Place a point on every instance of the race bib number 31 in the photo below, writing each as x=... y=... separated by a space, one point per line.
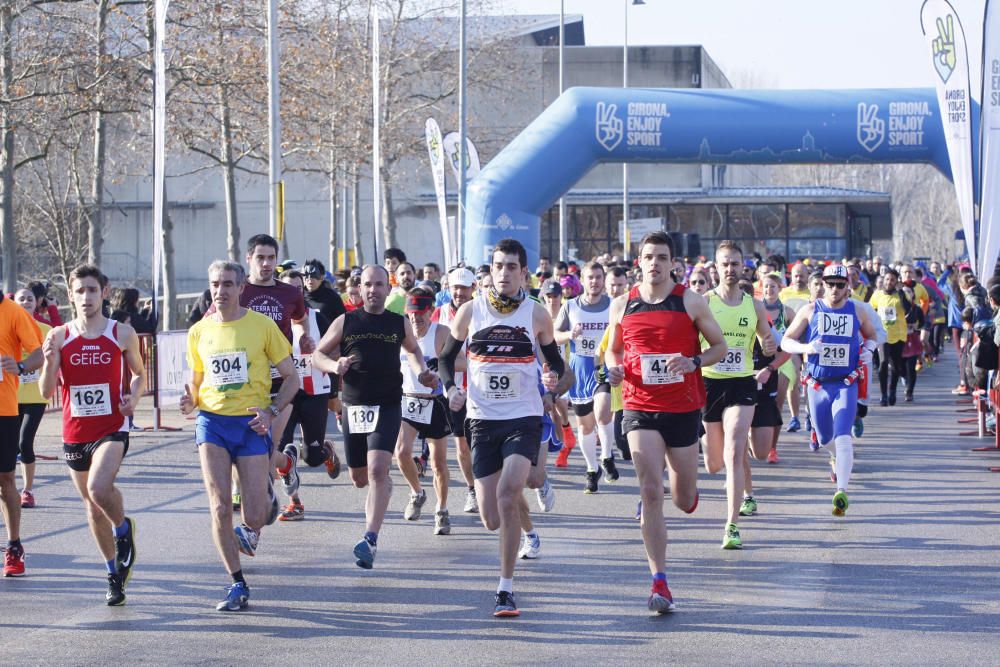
x=500 y=386
x=90 y=400
x=732 y=362
x=226 y=368
x=362 y=418
x=418 y=410
x=654 y=369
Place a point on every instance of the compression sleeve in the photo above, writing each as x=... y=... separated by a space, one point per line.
x=446 y=361
x=553 y=358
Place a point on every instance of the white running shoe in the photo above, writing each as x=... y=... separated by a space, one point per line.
x=531 y=547
x=471 y=503
x=546 y=497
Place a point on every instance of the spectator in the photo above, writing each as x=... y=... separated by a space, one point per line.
x=318 y=294
x=45 y=308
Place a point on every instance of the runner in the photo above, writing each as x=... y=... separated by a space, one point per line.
x=309 y=407
x=86 y=356
x=796 y=295
x=425 y=414
x=505 y=330
x=363 y=348
x=405 y=276
x=19 y=333
x=551 y=293
x=30 y=406
x=787 y=376
x=729 y=384
x=460 y=284
x=655 y=354
x=581 y=323
x=230 y=352
x=837 y=333
x=892 y=307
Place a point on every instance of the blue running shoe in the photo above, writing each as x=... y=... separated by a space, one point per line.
x=794 y=425
x=237 y=598
x=813 y=442
x=859 y=427
x=248 y=538
x=364 y=551
x=809 y=423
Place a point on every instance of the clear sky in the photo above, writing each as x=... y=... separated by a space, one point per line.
x=782 y=43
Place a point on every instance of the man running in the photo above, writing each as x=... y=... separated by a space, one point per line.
x=730 y=385
x=837 y=332
x=892 y=307
x=30 y=405
x=230 y=352
x=505 y=330
x=655 y=353
x=86 y=355
x=18 y=334
x=795 y=296
x=581 y=323
x=363 y=348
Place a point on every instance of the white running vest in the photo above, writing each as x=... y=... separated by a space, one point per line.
x=411 y=383
x=503 y=375
x=313 y=381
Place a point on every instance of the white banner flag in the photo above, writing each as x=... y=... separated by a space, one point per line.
x=172 y=370
x=947 y=53
x=990 y=137
x=435 y=149
x=472 y=166
x=159 y=140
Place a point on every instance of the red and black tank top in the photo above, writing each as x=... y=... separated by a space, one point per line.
x=91 y=370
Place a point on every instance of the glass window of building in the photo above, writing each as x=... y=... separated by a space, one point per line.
x=706 y=220
x=817 y=220
x=757 y=221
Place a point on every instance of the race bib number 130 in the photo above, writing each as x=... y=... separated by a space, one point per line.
x=362 y=418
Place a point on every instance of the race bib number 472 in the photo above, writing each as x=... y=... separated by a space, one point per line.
x=654 y=369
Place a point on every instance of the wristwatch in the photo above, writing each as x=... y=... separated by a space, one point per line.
x=696 y=360
x=20 y=368
x=273 y=409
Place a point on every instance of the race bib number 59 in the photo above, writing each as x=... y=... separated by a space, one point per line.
x=500 y=386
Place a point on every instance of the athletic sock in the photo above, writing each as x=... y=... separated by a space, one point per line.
x=238 y=577
x=588 y=445
x=506 y=585
x=606 y=435
x=845 y=460
x=372 y=538
x=659 y=576
x=112 y=568
x=14 y=544
x=122 y=530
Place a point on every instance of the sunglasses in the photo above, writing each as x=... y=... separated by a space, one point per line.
x=699 y=282
x=838 y=284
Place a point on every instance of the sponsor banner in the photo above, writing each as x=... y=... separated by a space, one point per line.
x=435 y=149
x=947 y=54
x=472 y=166
x=990 y=135
x=172 y=369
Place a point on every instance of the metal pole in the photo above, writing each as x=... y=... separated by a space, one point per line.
x=344 y=259
x=625 y=165
x=563 y=238
x=376 y=127
x=274 y=117
x=462 y=150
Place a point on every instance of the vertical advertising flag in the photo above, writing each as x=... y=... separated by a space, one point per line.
x=946 y=51
x=989 y=208
x=376 y=127
x=159 y=140
x=472 y=166
x=435 y=149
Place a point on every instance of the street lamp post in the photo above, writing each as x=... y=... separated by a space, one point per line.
x=563 y=240
x=625 y=207
x=462 y=149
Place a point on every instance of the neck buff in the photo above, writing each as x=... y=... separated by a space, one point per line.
x=504 y=304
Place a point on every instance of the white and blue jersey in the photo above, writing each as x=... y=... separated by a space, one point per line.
x=593 y=320
x=835 y=334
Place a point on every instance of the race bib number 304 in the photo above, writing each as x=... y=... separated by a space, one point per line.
x=90 y=400
x=654 y=369
x=362 y=418
x=226 y=368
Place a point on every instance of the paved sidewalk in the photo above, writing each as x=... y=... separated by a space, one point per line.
x=910 y=576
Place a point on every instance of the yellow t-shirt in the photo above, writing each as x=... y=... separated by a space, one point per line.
x=793 y=298
x=235 y=358
x=616 y=392
x=28 y=391
x=890 y=310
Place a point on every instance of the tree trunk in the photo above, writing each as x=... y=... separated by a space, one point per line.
x=332 y=254
x=229 y=176
x=359 y=256
x=388 y=221
x=95 y=231
x=168 y=315
x=8 y=237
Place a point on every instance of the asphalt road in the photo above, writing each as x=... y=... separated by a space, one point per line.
x=910 y=576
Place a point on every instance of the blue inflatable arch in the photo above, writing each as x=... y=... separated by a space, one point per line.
x=587 y=126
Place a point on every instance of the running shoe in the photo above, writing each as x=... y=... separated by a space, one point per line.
x=610 y=470
x=442 y=523
x=27 y=500
x=293 y=512
x=731 y=538
x=505 y=606
x=772 y=456
x=248 y=538
x=591 y=486
x=290 y=476
x=569 y=437
x=748 y=507
x=833 y=470
x=883 y=402
x=809 y=422
x=813 y=441
x=332 y=463
x=471 y=504
x=13 y=562
x=115 y=597
x=562 y=458
x=417 y=500
x=794 y=425
x=908 y=398
x=531 y=547
x=364 y=551
x=960 y=390
x=546 y=497
x=840 y=503
x=858 y=429
x=237 y=598
x=660 y=599
x=125 y=552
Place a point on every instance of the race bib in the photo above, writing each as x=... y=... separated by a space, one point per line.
x=90 y=400
x=362 y=418
x=586 y=345
x=500 y=386
x=28 y=378
x=654 y=369
x=834 y=355
x=275 y=375
x=226 y=368
x=732 y=362
x=888 y=314
x=303 y=365
x=418 y=410
x=836 y=324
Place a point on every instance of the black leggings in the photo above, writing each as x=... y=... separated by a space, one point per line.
x=309 y=412
x=937 y=338
x=910 y=373
x=30 y=416
x=891 y=368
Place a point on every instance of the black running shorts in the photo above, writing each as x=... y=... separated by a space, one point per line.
x=678 y=429
x=492 y=441
x=726 y=392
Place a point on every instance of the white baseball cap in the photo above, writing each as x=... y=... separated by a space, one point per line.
x=462 y=277
x=835 y=271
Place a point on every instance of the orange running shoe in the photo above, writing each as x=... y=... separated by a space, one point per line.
x=562 y=459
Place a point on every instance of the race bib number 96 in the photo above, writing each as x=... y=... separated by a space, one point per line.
x=586 y=346
x=362 y=418
x=654 y=369
x=90 y=400
x=226 y=368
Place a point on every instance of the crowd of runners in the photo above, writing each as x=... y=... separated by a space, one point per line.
x=666 y=363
